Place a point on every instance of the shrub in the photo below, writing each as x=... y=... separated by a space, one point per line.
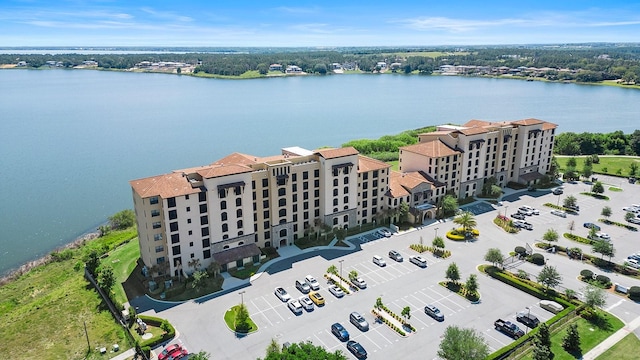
x=605 y=281
x=452 y=236
x=634 y=293
x=537 y=259
x=520 y=250
x=586 y=273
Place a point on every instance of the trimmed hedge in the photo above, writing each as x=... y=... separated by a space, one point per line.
x=537 y=259
x=155 y=321
x=634 y=293
x=520 y=250
x=586 y=273
x=604 y=280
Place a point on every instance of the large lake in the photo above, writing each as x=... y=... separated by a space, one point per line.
x=70 y=140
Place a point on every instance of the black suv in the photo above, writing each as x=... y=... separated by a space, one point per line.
x=528 y=319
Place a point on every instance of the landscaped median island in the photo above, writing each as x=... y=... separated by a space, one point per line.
x=437 y=249
x=238 y=320
x=468 y=290
x=593 y=325
x=393 y=321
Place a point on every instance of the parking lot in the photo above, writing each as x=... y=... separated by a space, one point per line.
x=401 y=284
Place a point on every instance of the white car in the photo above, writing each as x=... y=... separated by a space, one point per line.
x=559 y=213
x=418 y=260
x=635 y=221
x=552 y=306
x=282 y=294
x=313 y=283
x=378 y=260
x=295 y=306
x=306 y=303
x=529 y=208
x=336 y=291
x=631 y=209
x=603 y=236
x=359 y=282
x=525 y=211
x=384 y=232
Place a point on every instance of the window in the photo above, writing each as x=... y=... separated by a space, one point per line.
x=173 y=226
x=346 y=218
x=294 y=188
x=305 y=175
x=206 y=243
x=265 y=193
x=265 y=204
x=225 y=227
x=266 y=225
x=282 y=212
x=335 y=202
x=335 y=192
x=239 y=224
x=153 y=200
x=267 y=235
x=203 y=208
x=222 y=193
x=316 y=202
x=335 y=182
x=188 y=208
x=316 y=212
x=282 y=202
x=202 y=196
x=346 y=190
x=223 y=204
x=223 y=216
x=155 y=213
x=239 y=202
x=176 y=250
x=305 y=195
x=159 y=248
x=265 y=214
x=237 y=190
x=316 y=183
x=316 y=173
x=316 y=193
x=282 y=192
x=305 y=205
x=345 y=200
x=375 y=174
x=335 y=221
x=265 y=182
x=204 y=231
x=157 y=237
x=305 y=185
x=239 y=213
x=173 y=214
x=283 y=232
x=204 y=220
x=206 y=254
x=294 y=177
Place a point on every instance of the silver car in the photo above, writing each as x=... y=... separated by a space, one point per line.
x=559 y=213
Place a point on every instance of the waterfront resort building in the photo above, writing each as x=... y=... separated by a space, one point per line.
x=226 y=211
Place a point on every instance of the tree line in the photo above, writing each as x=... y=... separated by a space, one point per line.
x=595 y=62
x=615 y=143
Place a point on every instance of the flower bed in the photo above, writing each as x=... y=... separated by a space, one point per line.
x=435 y=251
x=459 y=234
x=335 y=279
x=460 y=290
x=506 y=224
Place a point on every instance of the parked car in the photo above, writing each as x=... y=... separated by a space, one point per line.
x=282 y=294
x=360 y=283
x=635 y=256
x=529 y=208
x=359 y=321
x=384 y=232
x=340 y=332
x=526 y=212
x=631 y=209
x=558 y=191
x=635 y=221
x=295 y=306
x=356 y=349
x=434 y=312
x=552 y=306
x=509 y=328
x=559 y=213
x=312 y=282
x=574 y=208
x=336 y=291
x=303 y=287
x=518 y=216
x=395 y=256
x=173 y=351
x=633 y=263
x=603 y=236
x=306 y=303
x=528 y=319
x=589 y=225
x=523 y=224
x=378 y=260
x=316 y=298
x=418 y=260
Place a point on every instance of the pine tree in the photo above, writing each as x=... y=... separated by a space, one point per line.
x=571 y=341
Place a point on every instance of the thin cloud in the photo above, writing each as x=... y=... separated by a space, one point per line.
x=297 y=10
x=166 y=15
x=458 y=25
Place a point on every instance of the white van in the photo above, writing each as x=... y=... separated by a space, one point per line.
x=633 y=263
x=378 y=260
x=418 y=260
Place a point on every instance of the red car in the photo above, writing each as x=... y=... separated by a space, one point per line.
x=172 y=352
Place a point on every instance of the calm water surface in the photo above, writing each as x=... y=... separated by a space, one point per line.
x=70 y=140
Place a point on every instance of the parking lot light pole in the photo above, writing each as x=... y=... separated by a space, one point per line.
x=436 y=229
x=242 y=297
x=528 y=313
x=340 y=261
x=505 y=210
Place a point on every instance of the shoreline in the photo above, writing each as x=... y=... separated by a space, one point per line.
x=12 y=274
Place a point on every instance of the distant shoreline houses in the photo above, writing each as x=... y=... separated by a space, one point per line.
x=225 y=212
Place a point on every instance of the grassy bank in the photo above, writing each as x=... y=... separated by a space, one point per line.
x=612 y=165
x=626 y=349
x=44 y=311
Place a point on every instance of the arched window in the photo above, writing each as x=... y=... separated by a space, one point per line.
x=239 y=213
x=239 y=202
x=335 y=182
x=241 y=243
x=346 y=189
x=282 y=202
x=225 y=227
x=239 y=224
x=223 y=216
x=225 y=237
x=346 y=180
x=346 y=218
x=225 y=247
x=223 y=204
x=282 y=212
x=282 y=191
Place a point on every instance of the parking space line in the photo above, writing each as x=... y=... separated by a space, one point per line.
x=274 y=309
x=417 y=309
x=322 y=342
x=374 y=343
x=260 y=313
x=502 y=344
x=447 y=297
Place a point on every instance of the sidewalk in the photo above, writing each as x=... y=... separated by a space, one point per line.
x=612 y=340
x=125 y=355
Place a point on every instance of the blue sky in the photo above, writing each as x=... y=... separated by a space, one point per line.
x=314 y=23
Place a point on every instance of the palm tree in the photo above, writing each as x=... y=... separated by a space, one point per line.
x=332 y=270
x=466 y=220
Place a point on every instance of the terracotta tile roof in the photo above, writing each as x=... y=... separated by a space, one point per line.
x=165 y=186
x=529 y=121
x=236 y=159
x=434 y=149
x=396 y=189
x=368 y=164
x=440 y=132
x=336 y=153
x=400 y=184
x=485 y=124
x=237 y=253
x=549 y=126
x=271 y=158
x=474 y=130
x=223 y=170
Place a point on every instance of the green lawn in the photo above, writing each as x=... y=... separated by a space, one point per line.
x=626 y=349
x=590 y=336
x=230 y=319
x=608 y=164
x=44 y=312
x=123 y=260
